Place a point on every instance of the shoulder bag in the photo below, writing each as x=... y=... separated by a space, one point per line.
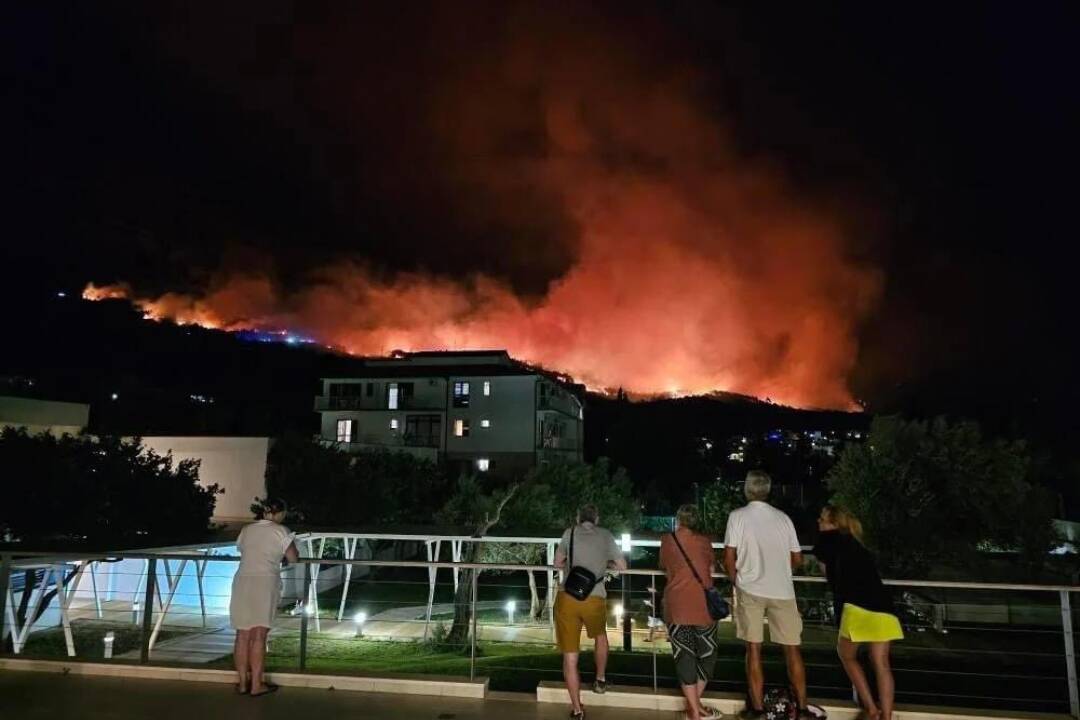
x=579 y=581
x=714 y=601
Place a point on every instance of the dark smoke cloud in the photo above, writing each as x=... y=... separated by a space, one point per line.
x=584 y=162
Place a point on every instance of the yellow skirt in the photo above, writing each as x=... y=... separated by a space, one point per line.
x=859 y=625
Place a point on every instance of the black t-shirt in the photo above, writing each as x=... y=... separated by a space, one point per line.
x=852 y=573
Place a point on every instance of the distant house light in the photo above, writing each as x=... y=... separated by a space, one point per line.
x=393 y=423
x=485 y=423
x=392 y=396
x=461 y=428
x=344 y=431
x=483 y=464
x=114 y=396
x=487 y=387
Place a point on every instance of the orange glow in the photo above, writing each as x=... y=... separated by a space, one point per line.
x=693 y=268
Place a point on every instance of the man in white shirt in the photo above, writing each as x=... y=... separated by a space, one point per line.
x=760 y=551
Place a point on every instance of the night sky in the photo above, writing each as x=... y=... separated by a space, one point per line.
x=885 y=195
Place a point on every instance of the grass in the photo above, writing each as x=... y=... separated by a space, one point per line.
x=88 y=637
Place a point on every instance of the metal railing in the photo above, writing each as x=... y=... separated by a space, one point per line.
x=968 y=644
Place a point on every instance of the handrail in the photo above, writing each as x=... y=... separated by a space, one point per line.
x=438 y=564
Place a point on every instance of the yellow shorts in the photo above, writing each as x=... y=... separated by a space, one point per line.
x=572 y=614
x=859 y=625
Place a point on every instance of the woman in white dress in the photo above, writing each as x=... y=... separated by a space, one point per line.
x=256 y=592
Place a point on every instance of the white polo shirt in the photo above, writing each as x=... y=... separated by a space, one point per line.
x=764 y=538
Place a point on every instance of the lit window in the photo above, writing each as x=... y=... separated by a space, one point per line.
x=483 y=464
x=392 y=396
x=487 y=388
x=485 y=423
x=393 y=424
x=461 y=394
x=461 y=428
x=344 y=431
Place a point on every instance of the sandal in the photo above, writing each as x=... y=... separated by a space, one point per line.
x=270 y=688
x=239 y=690
x=577 y=714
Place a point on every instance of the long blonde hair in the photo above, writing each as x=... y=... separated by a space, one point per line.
x=844 y=521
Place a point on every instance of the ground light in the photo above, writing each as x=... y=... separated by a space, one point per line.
x=618 y=615
x=510 y=612
x=360 y=618
x=109 y=638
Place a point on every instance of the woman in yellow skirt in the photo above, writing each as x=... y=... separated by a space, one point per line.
x=864 y=608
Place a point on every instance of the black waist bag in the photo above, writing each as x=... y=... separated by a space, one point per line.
x=579 y=582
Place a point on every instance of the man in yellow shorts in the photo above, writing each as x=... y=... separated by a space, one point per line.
x=595 y=549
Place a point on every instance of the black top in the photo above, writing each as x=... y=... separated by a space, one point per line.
x=852 y=573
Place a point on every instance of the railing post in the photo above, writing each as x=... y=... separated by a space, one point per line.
x=627 y=635
x=472 y=619
x=5 y=575
x=304 y=615
x=1070 y=653
x=148 y=610
x=652 y=619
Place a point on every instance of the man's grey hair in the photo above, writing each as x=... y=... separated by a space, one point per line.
x=758 y=484
x=588 y=514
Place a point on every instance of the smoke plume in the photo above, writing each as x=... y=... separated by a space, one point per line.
x=691 y=267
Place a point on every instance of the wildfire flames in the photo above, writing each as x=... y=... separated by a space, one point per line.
x=694 y=268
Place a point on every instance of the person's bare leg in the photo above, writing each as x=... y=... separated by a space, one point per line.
x=796 y=672
x=849 y=658
x=886 y=685
x=572 y=678
x=240 y=658
x=755 y=675
x=693 y=701
x=701 y=684
x=602 y=648
x=257 y=659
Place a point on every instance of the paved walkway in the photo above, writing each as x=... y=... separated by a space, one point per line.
x=30 y=695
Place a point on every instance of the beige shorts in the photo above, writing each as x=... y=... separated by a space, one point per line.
x=785 y=623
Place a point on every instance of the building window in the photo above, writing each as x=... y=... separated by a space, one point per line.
x=344 y=431
x=423 y=430
x=370 y=389
x=487 y=388
x=483 y=464
x=398 y=394
x=461 y=428
x=461 y=394
x=393 y=424
x=485 y=423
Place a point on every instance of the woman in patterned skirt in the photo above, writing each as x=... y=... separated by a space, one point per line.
x=691 y=629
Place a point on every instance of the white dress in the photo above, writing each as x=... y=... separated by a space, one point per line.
x=256 y=587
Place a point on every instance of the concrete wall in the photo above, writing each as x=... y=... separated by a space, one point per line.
x=39 y=416
x=236 y=464
x=509 y=409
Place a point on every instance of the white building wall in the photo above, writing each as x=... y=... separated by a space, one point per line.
x=236 y=464
x=38 y=416
x=510 y=408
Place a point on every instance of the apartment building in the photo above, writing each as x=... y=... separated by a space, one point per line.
x=476 y=409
